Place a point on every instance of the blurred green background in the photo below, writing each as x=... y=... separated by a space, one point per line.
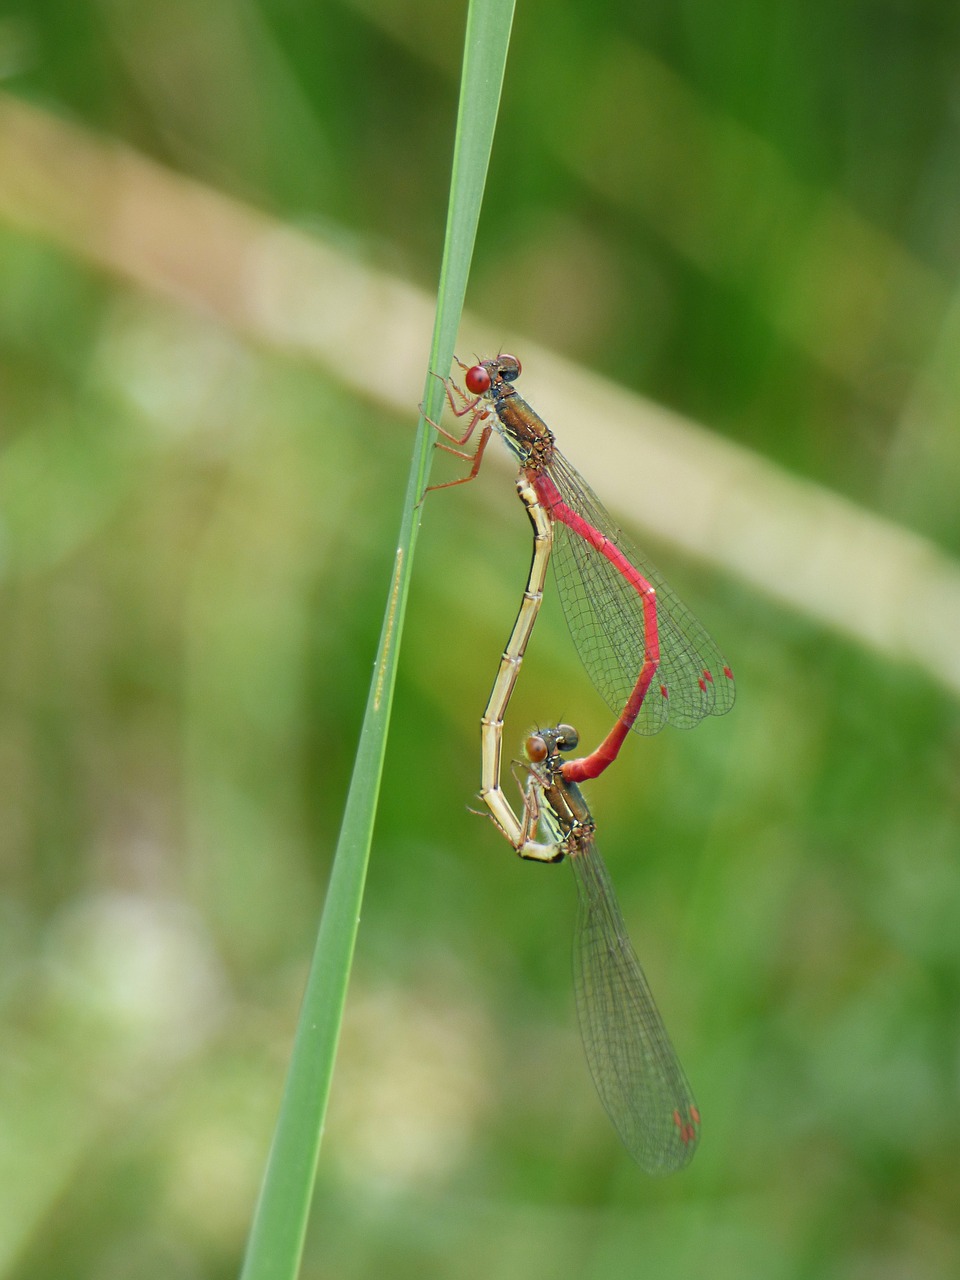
x=747 y=213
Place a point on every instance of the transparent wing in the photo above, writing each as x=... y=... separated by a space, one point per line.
x=634 y=1066
x=605 y=613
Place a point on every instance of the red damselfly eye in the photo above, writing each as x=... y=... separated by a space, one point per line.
x=535 y=749
x=509 y=367
x=477 y=380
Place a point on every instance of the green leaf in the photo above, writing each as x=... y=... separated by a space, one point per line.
x=276 y=1238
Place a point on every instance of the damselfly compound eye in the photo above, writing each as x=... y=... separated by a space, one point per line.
x=535 y=749
x=477 y=380
x=509 y=367
x=567 y=737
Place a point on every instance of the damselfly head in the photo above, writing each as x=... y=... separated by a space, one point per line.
x=540 y=746
x=481 y=377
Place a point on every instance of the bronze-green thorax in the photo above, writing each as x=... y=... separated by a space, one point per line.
x=524 y=430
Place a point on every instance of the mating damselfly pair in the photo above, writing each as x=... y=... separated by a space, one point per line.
x=654 y=664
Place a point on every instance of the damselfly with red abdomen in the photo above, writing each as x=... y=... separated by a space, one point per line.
x=635 y=637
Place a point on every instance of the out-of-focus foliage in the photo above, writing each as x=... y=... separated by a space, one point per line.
x=747 y=213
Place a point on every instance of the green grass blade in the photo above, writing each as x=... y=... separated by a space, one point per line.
x=276 y=1238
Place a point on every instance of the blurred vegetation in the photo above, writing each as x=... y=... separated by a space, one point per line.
x=747 y=214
